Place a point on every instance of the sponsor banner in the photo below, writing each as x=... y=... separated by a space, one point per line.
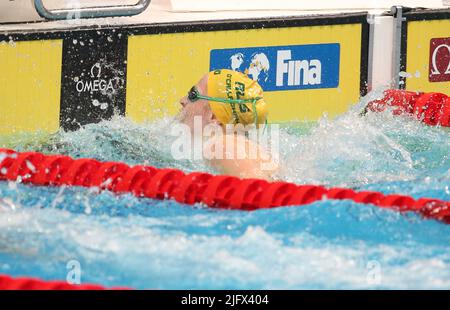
x=306 y=71
x=93 y=78
x=289 y=67
x=67 y=79
x=428 y=54
x=30 y=82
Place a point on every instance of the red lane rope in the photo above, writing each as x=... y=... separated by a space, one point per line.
x=26 y=283
x=215 y=191
x=430 y=108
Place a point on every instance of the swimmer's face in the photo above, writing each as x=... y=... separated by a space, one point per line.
x=200 y=108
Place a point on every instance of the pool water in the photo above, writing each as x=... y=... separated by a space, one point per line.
x=143 y=243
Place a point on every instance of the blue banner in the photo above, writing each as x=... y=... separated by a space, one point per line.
x=287 y=67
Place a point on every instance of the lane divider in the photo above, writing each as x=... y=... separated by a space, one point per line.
x=430 y=108
x=215 y=191
x=26 y=283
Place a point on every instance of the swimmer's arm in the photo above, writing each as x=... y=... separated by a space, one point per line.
x=257 y=165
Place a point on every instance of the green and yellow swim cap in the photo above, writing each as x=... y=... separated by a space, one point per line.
x=229 y=84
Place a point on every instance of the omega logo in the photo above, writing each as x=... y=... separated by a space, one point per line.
x=439 y=60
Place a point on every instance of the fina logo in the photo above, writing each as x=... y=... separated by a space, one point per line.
x=258 y=69
x=312 y=70
x=284 y=67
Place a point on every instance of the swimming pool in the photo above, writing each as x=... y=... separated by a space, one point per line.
x=143 y=243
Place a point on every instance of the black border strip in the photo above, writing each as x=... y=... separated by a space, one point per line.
x=196 y=26
x=403 y=54
x=243 y=24
x=277 y=299
x=364 y=66
x=416 y=15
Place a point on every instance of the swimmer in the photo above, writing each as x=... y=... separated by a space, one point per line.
x=226 y=99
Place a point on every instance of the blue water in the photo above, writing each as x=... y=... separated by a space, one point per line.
x=143 y=243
